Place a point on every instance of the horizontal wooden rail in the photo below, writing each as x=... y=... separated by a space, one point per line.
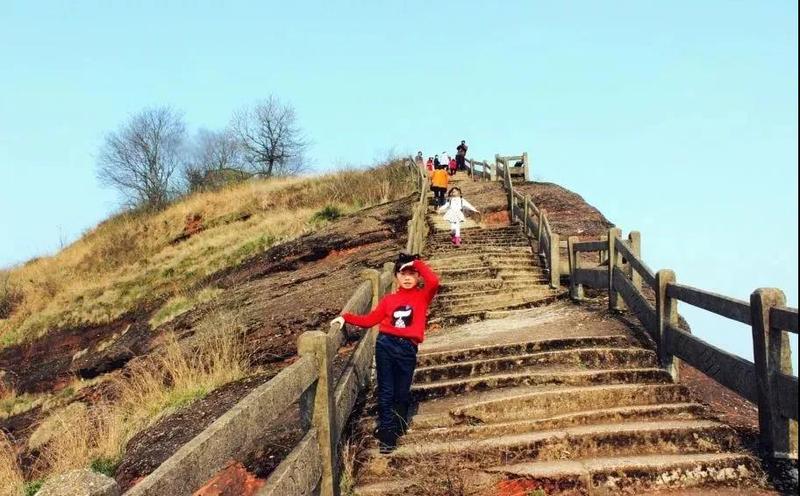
x=636 y=301
x=784 y=318
x=593 y=277
x=299 y=472
x=725 y=306
x=733 y=372
x=640 y=267
x=591 y=246
x=230 y=436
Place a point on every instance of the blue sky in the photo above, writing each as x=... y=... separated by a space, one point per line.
x=677 y=118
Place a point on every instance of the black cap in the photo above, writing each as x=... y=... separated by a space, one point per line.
x=402 y=259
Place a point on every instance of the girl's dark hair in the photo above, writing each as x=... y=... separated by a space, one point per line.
x=449 y=193
x=402 y=259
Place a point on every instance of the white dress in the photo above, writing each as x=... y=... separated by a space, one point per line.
x=455 y=209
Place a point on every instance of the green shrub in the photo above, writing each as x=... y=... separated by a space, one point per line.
x=328 y=213
x=33 y=487
x=105 y=466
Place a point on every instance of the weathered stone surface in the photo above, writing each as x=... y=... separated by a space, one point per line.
x=233 y=480
x=82 y=482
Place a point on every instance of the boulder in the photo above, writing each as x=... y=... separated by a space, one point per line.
x=81 y=482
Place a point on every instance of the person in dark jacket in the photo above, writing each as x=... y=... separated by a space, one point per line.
x=461 y=155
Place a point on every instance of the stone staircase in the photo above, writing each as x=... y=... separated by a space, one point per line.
x=554 y=397
x=494 y=269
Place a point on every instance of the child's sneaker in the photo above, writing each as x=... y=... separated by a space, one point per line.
x=387 y=441
x=457 y=241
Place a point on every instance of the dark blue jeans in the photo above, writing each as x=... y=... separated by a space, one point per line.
x=396 y=359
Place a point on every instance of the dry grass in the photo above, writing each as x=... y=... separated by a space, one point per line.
x=180 y=304
x=133 y=257
x=11 y=480
x=156 y=385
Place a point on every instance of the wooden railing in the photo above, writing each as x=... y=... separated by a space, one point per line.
x=767 y=381
x=325 y=404
x=484 y=171
x=533 y=219
x=480 y=170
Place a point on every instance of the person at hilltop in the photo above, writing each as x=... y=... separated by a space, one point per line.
x=429 y=165
x=439 y=181
x=402 y=317
x=454 y=213
x=418 y=159
x=461 y=155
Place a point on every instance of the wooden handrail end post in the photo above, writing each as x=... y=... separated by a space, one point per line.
x=316 y=344
x=771 y=355
x=614 y=301
x=667 y=315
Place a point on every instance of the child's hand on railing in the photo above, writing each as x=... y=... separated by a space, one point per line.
x=338 y=321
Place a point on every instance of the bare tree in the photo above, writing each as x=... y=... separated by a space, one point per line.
x=140 y=158
x=270 y=139
x=215 y=156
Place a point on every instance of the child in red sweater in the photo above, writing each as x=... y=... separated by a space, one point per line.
x=402 y=316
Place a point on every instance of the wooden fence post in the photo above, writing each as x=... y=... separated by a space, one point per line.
x=525 y=215
x=575 y=290
x=317 y=345
x=602 y=255
x=555 y=261
x=667 y=315
x=772 y=355
x=540 y=228
x=525 y=166
x=614 y=302
x=635 y=241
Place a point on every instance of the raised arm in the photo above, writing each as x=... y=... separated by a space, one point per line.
x=444 y=207
x=429 y=277
x=371 y=319
x=469 y=206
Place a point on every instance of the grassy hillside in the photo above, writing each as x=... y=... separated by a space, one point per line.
x=141 y=260
x=157 y=266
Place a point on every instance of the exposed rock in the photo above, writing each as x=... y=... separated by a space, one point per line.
x=233 y=480
x=81 y=482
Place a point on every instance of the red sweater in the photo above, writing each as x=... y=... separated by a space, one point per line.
x=404 y=312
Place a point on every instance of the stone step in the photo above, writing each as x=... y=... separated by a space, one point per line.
x=487 y=282
x=484 y=272
x=497 y=244
x=554 y=406
x=643 y=413
x=519 y=293
x=554 y=376
x=472 y=235
x=633 y=474
x=554 y=401
x=427 y=358
x=507 y=289
x=607 y=476
x=456 y=314
x=588 y=358
x=600 y=440
x=448 y=249
x=458 y=260
x=510 y=266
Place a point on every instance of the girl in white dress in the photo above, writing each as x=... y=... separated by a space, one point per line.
x=454 y=213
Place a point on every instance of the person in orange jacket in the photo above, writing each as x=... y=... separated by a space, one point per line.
x=439 y=181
